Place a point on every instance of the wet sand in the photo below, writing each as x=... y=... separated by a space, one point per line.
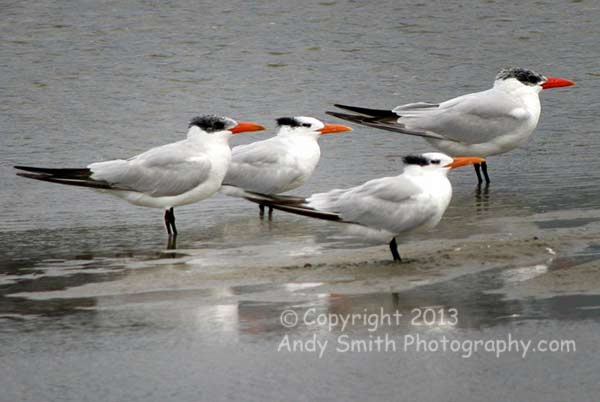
x=192 y=324
x=561 y=258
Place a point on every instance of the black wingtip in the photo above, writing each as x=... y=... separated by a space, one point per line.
x=383 y=124
x=346 y=107
x=329 y=112
x=27 y=168
x=345 y=116
x=374 y=113
x=70 y=173
x=279 y=199
x=294 y=205
x=33 y=175
x=309 y=212
x=73 y=180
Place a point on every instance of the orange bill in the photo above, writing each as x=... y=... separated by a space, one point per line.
x=464 y=161
x=334 y=128
x=245 y=126
x=554 y=82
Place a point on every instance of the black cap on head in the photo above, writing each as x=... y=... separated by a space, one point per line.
x=288 y=121
x=527 y=77
x=212 y=123
x=419 y=160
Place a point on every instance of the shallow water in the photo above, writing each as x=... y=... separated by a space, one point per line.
x=87 y=81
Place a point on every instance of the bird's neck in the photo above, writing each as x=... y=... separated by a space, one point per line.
x=435 y=183
x=429 y=180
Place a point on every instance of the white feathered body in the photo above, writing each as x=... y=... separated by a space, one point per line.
x=175 y=174
x=484 y=123
x=414 y=200
x=275 y=165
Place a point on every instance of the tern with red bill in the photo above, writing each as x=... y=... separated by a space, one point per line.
x=278 y=164
x=414 y=200
x=171 y=175
x=483 y=123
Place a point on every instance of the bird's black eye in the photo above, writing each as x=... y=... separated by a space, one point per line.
x=435 y=161
x=305 y=124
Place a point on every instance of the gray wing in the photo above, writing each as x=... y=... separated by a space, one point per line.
x=263 y=167
x=394 y=204
x=165 y=171
x=471 y=119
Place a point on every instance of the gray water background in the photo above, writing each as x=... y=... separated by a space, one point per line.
x=84 y=81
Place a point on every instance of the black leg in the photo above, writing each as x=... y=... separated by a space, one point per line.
x=168 y=221
x=173 y=221
x=477 y=166
x=485 y=173
x=394 y=250
x=270 y=213
x=261 y=210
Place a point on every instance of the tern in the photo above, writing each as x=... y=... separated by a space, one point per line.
x=484 y=123
x=414 y=200
x=278 y=164
x=167 y=176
